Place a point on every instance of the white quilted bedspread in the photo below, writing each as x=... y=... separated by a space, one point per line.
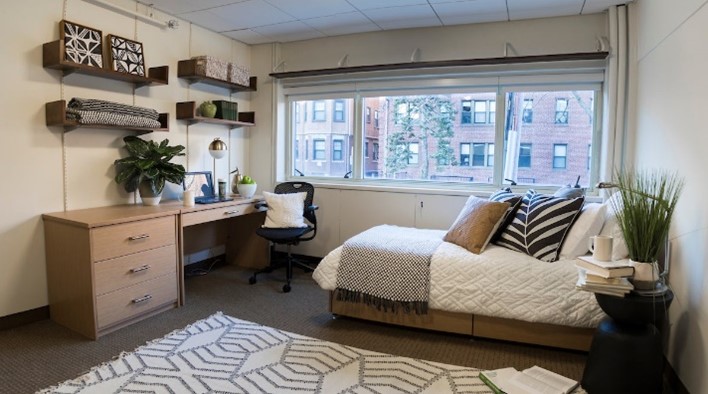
x=498 y=282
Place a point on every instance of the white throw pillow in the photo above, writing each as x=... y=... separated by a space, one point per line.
x=285 y=210
x=611 y=228
x=587 y=225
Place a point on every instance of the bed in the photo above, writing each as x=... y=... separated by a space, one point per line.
x=499 y=293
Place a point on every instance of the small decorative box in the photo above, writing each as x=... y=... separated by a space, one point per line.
x=212 y=67
x=239 y=74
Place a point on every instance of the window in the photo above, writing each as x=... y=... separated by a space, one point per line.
x=527 y=114
x=318 y=111
x=297 y=113
x=560 y=155
x=297 y=149
x=422 y=138
x=466 y=112
x=484 y=111
x=561 y=111
x=337 y=149
x=465 y=154
x=318 y=149
x=338 y=111
x=368 y=114
x=376 y=118
x=525 y=155
x=478 y=151
x=412 y=153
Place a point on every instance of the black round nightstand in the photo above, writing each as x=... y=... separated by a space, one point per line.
x=626 y=355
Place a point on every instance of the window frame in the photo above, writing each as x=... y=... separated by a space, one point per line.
x=316 y=111
x=336 y=141
x=569 y=80
x=315 y=150
x=556 y=156
x=342 y=112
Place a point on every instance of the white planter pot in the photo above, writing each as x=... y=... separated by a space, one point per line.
x=645 y=275
x=151 y=200
x=246 y=190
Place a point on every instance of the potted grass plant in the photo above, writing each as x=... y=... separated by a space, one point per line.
x=147 y=167
x=644 y=212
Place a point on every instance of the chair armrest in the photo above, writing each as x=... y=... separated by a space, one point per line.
x=312 y=208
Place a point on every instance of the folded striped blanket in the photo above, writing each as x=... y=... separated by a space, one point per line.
x=387 y=267
x=82 y=104
x=111 y=119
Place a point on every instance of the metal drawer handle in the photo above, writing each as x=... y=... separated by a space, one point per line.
x=143 y=268
x=142 y=299
x=137 y=237
x=231 y=212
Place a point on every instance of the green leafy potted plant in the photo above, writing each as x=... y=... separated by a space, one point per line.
x=648 y=200
x=148 y=167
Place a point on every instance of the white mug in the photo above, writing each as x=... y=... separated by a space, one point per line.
x=188 y=198
x=601 y=247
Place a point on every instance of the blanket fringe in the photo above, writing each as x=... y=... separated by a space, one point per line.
x=381 y=304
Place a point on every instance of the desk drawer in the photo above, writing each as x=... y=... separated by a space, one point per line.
x=210 y=215
x=134 y=300
x=127 y=238
x=129 y=270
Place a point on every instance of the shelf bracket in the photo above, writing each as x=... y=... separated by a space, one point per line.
x=343 y=61
x=415 y=56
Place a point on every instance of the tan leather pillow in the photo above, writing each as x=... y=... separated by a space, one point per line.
x=476 y=223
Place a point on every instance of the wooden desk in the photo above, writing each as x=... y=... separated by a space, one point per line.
x=109 y=267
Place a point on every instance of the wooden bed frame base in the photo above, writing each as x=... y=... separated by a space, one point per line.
x=574 y=338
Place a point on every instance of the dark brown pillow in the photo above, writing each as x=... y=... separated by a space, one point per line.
x=476 y=223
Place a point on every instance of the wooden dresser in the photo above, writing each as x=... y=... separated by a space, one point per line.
x=109 y=267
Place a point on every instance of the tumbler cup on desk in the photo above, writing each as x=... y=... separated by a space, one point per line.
x=188 y=198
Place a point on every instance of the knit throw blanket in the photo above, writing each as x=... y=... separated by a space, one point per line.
x=387 y=267
x=82 y=104
x=111 y=119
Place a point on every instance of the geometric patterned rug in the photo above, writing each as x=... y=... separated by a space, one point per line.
x=222 y=354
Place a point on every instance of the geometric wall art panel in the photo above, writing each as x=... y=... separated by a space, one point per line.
x=82 y=45
x=126 y=55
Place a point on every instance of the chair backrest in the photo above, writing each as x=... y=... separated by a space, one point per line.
x=299 y=187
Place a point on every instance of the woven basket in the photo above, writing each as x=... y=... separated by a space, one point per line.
x=212 y=67
x=239 y=74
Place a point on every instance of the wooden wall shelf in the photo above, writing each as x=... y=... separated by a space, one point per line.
x=187 y=69
x=56 y=116
x=53 y=57
x=187 y=110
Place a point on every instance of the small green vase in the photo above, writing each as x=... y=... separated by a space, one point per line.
x=208 y=109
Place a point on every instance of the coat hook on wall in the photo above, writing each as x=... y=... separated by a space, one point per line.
x=280 y=66
x=508 y=47
x=603 y=44
x=415 y=56
x=343 y=61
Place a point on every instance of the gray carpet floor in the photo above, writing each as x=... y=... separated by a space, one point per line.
x=42 y=354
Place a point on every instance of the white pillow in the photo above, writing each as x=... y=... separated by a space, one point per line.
x=611 y=228
x=285 y=210
x=587 y=225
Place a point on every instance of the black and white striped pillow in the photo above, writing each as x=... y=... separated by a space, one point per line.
x=540 y=225
x=505 y=195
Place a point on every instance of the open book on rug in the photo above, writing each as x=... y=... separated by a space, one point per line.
x=534 y=380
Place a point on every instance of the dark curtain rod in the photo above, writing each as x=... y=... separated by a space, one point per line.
x=445 y=63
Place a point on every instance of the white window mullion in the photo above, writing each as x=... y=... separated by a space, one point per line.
x=499 y=138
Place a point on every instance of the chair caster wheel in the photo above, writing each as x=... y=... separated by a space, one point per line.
x=286 y=289
x=251 y=280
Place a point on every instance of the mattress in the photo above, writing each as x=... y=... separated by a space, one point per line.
x=499 y=283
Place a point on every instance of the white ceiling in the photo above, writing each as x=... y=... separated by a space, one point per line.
x=265 y=21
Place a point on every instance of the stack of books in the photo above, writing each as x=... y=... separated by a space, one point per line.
x=604 y=277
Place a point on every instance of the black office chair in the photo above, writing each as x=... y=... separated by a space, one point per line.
x=290 y=236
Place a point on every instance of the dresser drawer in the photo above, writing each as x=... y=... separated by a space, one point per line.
x=113 y=274
x=122 y=239
x=210 y=215
x=132 y=301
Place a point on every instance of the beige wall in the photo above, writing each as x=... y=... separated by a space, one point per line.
x=46 y=169
x=670 y=133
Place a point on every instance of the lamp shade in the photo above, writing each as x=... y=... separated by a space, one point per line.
x=218 y=148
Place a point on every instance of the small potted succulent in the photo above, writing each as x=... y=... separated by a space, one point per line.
x=147 y=167
x=246 y=187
